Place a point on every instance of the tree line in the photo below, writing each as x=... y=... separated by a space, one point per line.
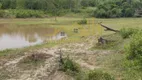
x=103 y=8
x=119 y=8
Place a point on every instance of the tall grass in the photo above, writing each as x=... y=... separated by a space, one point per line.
x=94 y=75
x=134 y=48
x=127 y=32
x=68 y=65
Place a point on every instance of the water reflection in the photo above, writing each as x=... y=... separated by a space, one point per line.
x=17 y=36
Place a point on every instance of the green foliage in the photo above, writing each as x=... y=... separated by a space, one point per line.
x=76 y=10
x=99 y=75
x=69 y=65
x=101 y=13
x=112 y=9
x=94 y=75
x=128 y=12
x=28 y=13
x=134 y=49
x=86 y=3
x=2 y=13
x=114 y=42
x=84 y=21
x=8 y=4
x=0 y=5
x=105 y=9
x=5 y=14
x=21 y=13
x=127 y=32
x=115 y=12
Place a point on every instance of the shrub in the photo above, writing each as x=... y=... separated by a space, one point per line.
x=99 y=75
x=76 y=10
x=100 y=13
x=0 y=5
x=84 y=21
x=127 y=32
x=69 y=65
x=94 y=75
x=4 y=14
x=134 y=49
x=28 y=13
x=130 y=12
x=116 y=12
x=81 y=76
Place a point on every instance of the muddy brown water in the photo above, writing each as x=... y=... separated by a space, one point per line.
x=18 y=36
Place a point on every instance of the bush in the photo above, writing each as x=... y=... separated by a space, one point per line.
x=115 y=12
x=76 y=10
x=69 y=65
x=127 y=32
x=4 y=14
x=134 y=49
x=128 y=12
x=0 y=5
x=21 y=13
x=99 y=75
x=94 y=75
x=28 y=13
x=84 y=21
x=100 y=13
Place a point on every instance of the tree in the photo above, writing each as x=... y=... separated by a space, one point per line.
x=20 y=4
x=0 y=5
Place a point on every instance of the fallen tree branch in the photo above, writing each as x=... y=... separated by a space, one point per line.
x=107 y=28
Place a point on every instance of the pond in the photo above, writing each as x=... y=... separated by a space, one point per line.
x=18 y=36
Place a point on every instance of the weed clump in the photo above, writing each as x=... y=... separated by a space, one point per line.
x=69 y=65
x=134 y=49
x=83 y=21
x=127 y=32
x=99 y=75
x=95 y=75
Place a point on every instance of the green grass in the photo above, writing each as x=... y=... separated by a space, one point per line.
x=115 y=42
x=115 y=64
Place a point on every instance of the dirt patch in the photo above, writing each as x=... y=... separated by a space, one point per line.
x=33 y=60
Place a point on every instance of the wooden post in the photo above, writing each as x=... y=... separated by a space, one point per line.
x=75 y=30
x=102 y=41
